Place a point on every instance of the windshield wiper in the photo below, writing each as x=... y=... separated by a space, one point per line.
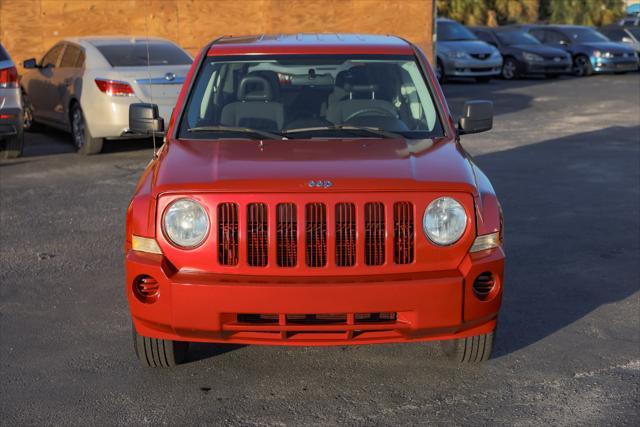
x=371 y=130
x=258 y=134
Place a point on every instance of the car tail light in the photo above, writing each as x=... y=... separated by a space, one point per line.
x=9 y=77
x=114 y=87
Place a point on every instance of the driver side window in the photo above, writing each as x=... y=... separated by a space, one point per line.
x=554 y=37
x=51 y=57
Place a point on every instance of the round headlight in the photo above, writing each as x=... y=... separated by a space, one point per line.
x=444 y=221
x=186 y=223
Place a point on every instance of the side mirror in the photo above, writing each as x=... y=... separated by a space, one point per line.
x=477 y=117
x=145 y=119
x=30 y=63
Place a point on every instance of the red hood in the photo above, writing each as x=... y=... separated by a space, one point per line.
x=288 y=166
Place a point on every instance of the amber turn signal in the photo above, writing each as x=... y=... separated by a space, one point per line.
x=145 y=244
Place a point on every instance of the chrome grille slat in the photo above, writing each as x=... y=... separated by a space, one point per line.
x=345 y=234
x=287 y=235
x=228 y=234
x=316 y=234
x=403 y=233
x=374 y=238
x=257 y=235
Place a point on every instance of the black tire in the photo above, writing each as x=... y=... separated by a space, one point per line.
x=83 y=141
x=13 y=146
x=483 y=79
x=440 y=74
x=157 y=353
x=469 y=350
x=582 y=66
x=510 y=69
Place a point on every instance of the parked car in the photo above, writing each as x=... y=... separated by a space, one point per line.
x=85 y=85
x=633 y=20
x=312 y=191
x=11 y=136
x=523 y=54
x=460 y=53
x=628 y=35
x=592 y=51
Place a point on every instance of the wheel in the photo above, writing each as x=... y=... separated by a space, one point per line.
x=13 y=146
x=483 y=79
x=509 y=69
x=470 y=349
x=582 y=66
x=440 y=72
x=28 y=125
x=82 y=139
x=157 y=353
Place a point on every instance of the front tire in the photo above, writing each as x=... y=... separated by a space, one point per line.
x=157 y=353
x=509 y=69
x=473 y=349
x=82 y=139
x=582 y=66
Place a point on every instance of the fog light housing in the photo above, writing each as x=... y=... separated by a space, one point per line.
x=146 y=289
x=484 y=286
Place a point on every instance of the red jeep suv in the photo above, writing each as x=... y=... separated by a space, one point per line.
x=312 y=190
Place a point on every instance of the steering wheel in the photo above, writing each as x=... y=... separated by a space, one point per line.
x=373 y=111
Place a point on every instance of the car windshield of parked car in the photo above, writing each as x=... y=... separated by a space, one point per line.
x=511 y=38
x=310 y=97
x=452 y=31
x=135 y=54
x=586 y=35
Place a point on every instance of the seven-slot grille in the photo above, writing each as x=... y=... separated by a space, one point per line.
x=316 y=226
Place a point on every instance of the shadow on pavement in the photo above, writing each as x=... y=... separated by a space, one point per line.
x=572 y=236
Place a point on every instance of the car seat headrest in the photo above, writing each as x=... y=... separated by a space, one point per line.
x=254 y=88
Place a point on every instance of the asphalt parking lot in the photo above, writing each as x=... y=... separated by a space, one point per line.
x=564 y=157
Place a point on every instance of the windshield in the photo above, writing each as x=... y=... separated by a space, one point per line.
x=309 y=96
x=586 y=35
x=452 y=31
x=135 y=54
x=511 y=38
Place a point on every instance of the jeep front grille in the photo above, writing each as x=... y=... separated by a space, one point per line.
x=342 y=234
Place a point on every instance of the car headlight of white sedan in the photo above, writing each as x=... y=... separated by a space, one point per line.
x=444 y=221
x=186 y=223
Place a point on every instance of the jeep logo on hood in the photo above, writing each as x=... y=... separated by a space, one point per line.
x=320 y=184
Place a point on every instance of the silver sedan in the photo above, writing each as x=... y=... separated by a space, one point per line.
x=85 y=85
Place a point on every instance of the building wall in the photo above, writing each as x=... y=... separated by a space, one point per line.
x=29 y=27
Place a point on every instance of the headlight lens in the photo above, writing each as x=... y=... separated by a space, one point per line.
x=532 y=57
x=458 y=54
x=602 y=54
x=444 y=221
x=186 y=223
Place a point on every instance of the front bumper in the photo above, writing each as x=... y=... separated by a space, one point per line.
x=472 y=67
x=611 y=65
x=205 y=306
x=547 y=67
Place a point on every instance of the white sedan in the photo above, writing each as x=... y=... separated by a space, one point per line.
x=84 y=85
